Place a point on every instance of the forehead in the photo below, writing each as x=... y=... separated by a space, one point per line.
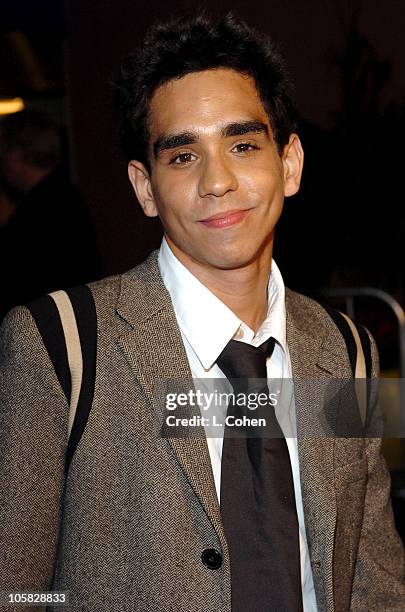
x=204 y=100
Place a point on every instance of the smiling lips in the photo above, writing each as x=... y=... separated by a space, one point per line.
x=225 y=219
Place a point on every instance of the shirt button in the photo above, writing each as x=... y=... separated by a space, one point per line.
x=211 y=558
x=239 y=334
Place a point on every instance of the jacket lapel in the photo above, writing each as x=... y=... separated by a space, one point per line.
x=154 y=349
x=313 y=359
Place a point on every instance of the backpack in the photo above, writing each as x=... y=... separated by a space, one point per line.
x=67 y=323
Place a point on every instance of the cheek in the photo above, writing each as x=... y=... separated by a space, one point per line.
x=172 y=211
x=264 y=188
x=174 y=195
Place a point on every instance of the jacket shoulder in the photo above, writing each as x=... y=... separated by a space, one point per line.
x=310 y=315
x=107 y=290
x=307 y=313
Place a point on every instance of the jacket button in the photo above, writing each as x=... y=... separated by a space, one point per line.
x=211 y=558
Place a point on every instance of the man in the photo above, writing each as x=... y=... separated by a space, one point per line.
x=152 y=523
x=47 y=215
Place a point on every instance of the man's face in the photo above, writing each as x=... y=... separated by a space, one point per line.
x=217 y=180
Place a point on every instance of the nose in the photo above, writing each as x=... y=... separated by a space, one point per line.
x=217 y=177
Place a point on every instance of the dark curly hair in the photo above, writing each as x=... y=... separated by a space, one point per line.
x=176 y=48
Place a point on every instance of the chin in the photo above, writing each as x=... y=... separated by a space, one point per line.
x=230 y=261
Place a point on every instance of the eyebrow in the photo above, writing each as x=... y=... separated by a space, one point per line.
x=163 y=143
x=244 y=127
x=238 y=128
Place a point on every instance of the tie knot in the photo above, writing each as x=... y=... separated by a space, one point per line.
x=241 y=360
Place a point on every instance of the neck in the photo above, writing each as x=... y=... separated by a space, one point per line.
x=243 y=290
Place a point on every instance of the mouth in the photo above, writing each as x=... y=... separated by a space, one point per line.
x=226 y=218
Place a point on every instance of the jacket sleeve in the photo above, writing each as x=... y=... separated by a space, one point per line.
x=33 y=438
x=379 y=580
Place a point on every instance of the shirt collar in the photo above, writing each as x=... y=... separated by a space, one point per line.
x=206 y=322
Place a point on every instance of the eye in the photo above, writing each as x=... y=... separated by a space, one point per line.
x=182 y=159
x=244 y=147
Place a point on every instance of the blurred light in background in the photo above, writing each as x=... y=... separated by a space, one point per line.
x=11 y=105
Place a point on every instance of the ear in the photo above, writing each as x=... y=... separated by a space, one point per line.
x=293 y=161
x=140 y=181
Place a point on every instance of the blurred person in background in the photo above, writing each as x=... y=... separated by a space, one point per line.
x=46 y=237
x=8 y=203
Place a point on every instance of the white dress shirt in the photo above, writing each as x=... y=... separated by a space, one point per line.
x=206 y=326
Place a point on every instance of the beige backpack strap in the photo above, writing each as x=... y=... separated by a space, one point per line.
x=73 y=348
x=360 y=371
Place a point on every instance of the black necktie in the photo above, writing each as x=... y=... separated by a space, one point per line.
x=257 y=500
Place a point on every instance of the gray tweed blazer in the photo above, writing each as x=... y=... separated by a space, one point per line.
x=125 y=532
